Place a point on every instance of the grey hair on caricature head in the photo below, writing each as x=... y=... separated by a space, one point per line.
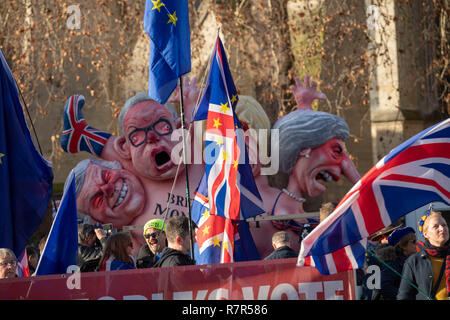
x=302 y=129
x=140 y=97
x=80 y=171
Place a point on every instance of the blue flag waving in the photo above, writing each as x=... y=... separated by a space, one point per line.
x=61 y=248
x=25 y=176
x=167 y=24
x=227 y=193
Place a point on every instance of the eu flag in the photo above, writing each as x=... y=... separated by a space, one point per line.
x=25 y=176
x=61 y=248
x=167 y=24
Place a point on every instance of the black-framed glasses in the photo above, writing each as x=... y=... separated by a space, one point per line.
x=6 y=263
x=162 y=127
x=154 y=235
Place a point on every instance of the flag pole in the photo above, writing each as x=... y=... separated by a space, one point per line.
x=191 y=235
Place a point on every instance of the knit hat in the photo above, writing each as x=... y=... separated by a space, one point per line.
x=398 y=234
x=155 y=224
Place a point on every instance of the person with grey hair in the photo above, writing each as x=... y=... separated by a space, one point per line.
x=108 y=193
x=8 y=264
x=281 y=242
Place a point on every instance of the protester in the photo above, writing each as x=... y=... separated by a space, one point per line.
x=428 y=269
x=33 y=258
x=178 y=244
x=117 y=253
x=8 y=264
x=155 y=238
x=402 y=244
x=89 y=249
x=281 y=242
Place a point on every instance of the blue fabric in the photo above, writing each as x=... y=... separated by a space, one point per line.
x=25 y=176
x=121 y=265
x=61 y=248
x=170 y=45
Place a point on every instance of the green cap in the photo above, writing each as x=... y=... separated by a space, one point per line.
x=156 y=224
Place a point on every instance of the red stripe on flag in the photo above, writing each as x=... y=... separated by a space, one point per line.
x=341 y=260
x=418 y=180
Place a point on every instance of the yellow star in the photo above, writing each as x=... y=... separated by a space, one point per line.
x=216 y=242
x=235 y=164
x=1 y=155
x=225 y=245
x=225 y=155
x=157 y=5
x=206 y=230
x=233 y=98
x=224 y=107
x=206 y=213
x=217 y=123
x=219 y=141
x=173 y=18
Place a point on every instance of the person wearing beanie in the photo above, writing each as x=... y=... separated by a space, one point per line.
x=401 y=244
x=426 y=274
x=155 y=242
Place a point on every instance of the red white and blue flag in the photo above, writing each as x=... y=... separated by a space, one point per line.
x=77 y=135
x=415 y=173
x=227 y=193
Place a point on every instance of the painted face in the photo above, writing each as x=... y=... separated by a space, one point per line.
x=154 y=242
x=323 y=164
x=7 y=267
x=111 y=195
x=436 y=231
x=148 y=127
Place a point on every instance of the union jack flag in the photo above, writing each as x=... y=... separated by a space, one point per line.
x=227 y=193
x=415 y=173
x=77 y=135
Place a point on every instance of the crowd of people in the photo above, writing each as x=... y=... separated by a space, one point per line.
x=410 y=269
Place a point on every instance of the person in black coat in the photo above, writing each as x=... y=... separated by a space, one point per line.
x=155 y=242
x=423 y=274
x=281 y=242
x=401 y=244
x=178 y=244
x=89 y=249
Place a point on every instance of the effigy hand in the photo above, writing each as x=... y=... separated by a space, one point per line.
x=77 y=135
x=190 y=96
x=349 y=169
x=307 y=93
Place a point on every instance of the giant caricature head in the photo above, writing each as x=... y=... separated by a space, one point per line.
x=108 y=193
x=146 y=137
x=312 y=148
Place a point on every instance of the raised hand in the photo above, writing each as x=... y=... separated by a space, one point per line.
x=307 y=93
x=190 y=96
x=77 y=135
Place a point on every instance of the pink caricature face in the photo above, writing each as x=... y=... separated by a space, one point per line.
x=148 y=127
x=111 y=195
x=323 y=165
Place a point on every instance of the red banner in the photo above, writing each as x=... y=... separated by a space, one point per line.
x=255 y=280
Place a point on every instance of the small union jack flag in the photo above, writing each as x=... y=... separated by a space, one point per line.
x=77 y=135
x=227 y=193
x=412 y=175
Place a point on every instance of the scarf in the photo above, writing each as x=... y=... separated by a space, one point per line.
x=440 y=252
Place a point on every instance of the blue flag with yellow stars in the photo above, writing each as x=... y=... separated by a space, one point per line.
x=167 y=24
x=25 y=176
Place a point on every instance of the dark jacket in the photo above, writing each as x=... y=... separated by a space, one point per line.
x=417 y=269
x=171 y=257
x=145 y=258
x=88 y=258
x=390 y=281
x=281 y=253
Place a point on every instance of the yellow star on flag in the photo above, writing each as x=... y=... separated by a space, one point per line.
x=206 y=213
x=206 y=230
x=235 y=164
x=217 y=123
x=233 y=98
x=216 y=242
x=219 y=141
x=225 y=156
x=1 y=155
x=173 y=18
x=224 y=107
x=157 y=5
x=225 y=245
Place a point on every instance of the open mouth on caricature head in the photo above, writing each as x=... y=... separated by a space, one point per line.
x=122 y=194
